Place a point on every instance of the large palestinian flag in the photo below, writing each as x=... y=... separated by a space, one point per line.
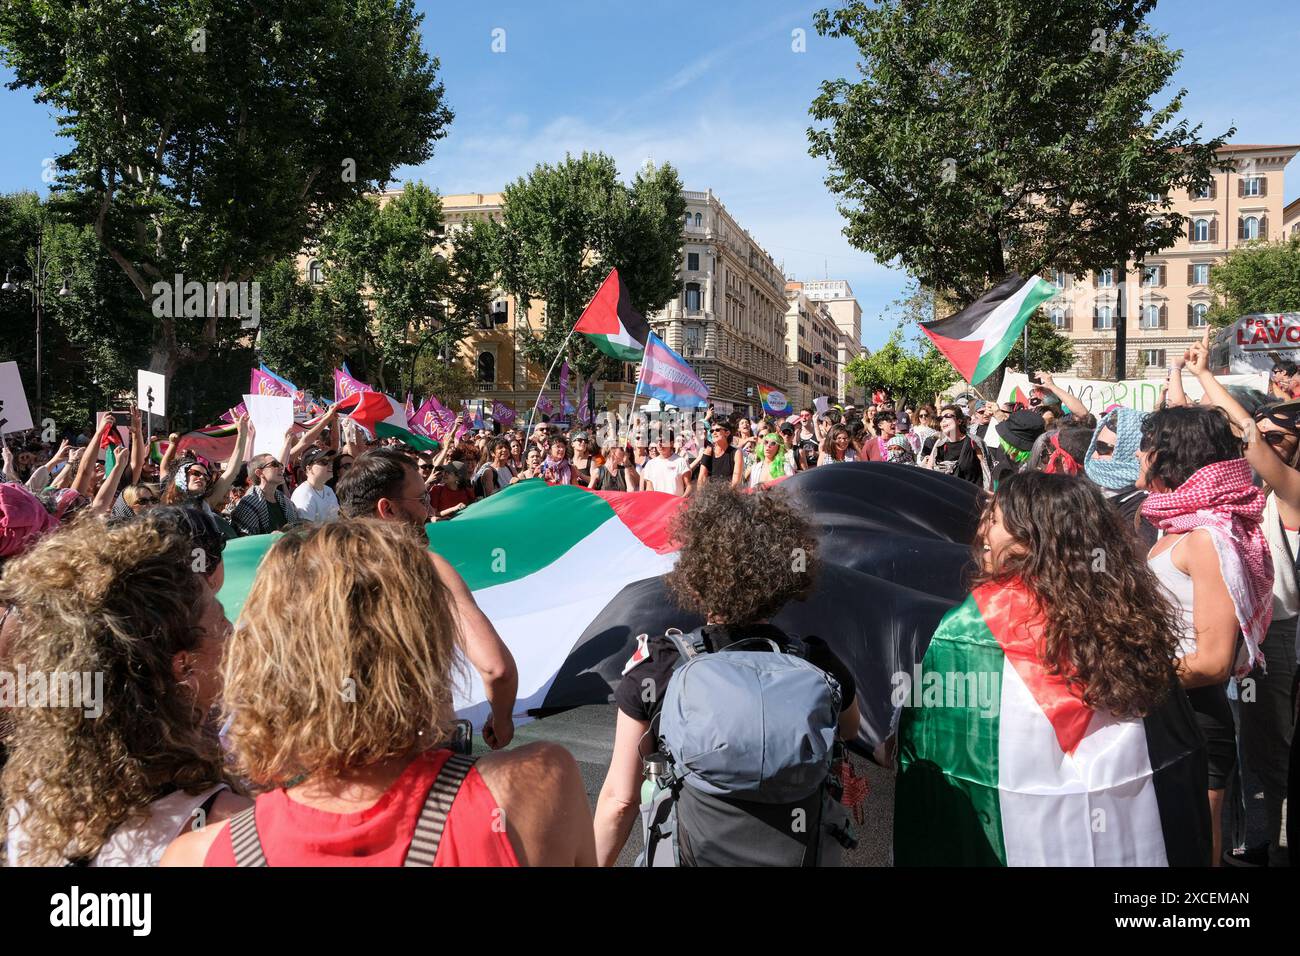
x=611 y=323
x=1001 y=764
x=570 y=577
x=976 y=340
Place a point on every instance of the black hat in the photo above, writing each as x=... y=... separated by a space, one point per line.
x=313 y=455
x=1022 y=429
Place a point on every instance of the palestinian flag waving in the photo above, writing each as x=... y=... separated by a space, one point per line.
x=383 y=417
x=1000 y=764
x=611 y=324
x=976 y=340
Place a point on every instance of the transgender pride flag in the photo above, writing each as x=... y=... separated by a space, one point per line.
x=665 y=375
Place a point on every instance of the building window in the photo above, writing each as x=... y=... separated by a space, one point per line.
x=1105 y=278
x=1153 y=358
x=1201 y=230
x=699 y=221
x=1151 y=276
x=692 y=297
x=1250 y=228
x=1252 y=186
x=315 y=273
x=1203 y=192
x=1197 y=320
x=487 y=367
x=1103 y=363
x=688 y=220
x=1058 y=278
x=693 y=261
x=1150 y=316
x=1102 y=317
x=1201 y=273
x=692 y=339
x=1057 y=316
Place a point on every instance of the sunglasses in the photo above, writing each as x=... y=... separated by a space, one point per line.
x=197 y=473
x=146 y=501
x=947 y=418
x=1275 y=438
x=1103 y=448
x=273 y=464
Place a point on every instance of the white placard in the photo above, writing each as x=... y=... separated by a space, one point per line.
x=271 y=416
x=822 y=405
x=147 y=384
x=15 y=416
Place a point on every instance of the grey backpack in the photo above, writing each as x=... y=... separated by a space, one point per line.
x=747 y=769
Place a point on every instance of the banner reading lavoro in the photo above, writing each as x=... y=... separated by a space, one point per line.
x=1254 y=342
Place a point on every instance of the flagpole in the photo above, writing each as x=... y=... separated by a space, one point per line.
x=533 y=414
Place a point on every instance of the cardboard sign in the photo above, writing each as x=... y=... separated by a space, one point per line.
x=1254 y=342
x=15 y=416
x=150 y=392
x=271 y=416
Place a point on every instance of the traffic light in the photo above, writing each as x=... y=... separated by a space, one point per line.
x=817 y=358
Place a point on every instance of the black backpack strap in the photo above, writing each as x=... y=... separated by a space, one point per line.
x=244 y=839
x=433 y=816
x=688 y=645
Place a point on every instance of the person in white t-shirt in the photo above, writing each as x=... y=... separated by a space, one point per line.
x=314 y=499
x=666 y=473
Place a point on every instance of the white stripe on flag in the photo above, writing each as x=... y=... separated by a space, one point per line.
x=565 y=596
x=1095 y=808
x=999 y=320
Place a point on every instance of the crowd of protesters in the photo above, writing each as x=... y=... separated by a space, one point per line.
x=97 y=575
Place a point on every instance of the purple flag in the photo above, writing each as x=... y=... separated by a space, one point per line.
x=545 y=405
x=260 y=383
x=345 y=385
x=503 y=414
x=564 y=388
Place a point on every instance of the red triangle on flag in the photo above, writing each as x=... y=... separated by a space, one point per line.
x=600 y=317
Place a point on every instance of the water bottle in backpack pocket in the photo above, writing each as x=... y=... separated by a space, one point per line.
x=747 y=775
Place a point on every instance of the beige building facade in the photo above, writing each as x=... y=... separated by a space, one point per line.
x=1165 y=303
x=728 y=321
x=810 y=334
x=837 y=296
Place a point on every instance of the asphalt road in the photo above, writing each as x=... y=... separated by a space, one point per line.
x=588 y=734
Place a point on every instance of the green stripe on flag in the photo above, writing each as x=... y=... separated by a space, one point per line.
x=495 y=541
x=994 y=354
x=946 y=798
x=389 y=430
x=617 y=350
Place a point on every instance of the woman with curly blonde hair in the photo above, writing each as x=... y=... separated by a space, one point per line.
x=119 y=756
x=340 y=709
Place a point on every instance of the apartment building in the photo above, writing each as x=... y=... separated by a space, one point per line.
x=729 y=319
x=1165 y=303
x=812 y=344
x=837 y=296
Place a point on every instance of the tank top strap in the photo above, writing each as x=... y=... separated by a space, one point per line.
x=437 y=806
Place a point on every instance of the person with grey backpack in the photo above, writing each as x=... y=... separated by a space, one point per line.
x=730 y=737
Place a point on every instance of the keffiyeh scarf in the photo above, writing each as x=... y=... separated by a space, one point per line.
x=1221 y=499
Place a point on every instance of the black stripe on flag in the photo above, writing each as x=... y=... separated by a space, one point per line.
x=629 y=317
x=1181 y=773
x=962 y=324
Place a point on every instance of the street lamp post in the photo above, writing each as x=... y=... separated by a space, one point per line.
x=40 y=270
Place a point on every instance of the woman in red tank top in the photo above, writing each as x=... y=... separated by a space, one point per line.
x=339 y=681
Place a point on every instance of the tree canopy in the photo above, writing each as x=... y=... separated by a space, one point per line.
x=990 y=136
x=212 y=139
x=565 y=226
x=1259 y=277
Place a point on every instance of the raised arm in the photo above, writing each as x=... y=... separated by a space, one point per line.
x=311 y=434
x=1176 y=396
x=7 y=454
x=173 y=446
x=1072 y=402
x=139 y=446
x=86 y=471
x=107 y=493
x=221 y=487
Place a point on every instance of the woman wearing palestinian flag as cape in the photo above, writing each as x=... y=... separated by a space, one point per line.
x=1046 y=725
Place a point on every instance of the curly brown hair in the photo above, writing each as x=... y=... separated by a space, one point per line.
x=1111 y=632
x=121 y=601
x=744 y=555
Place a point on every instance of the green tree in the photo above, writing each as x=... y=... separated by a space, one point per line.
x=1260 y=277
x=1049 y=350
x=990 y=136
x=93 y=337
x=910 y=372
x=299 y=333
x=211 y=139
x=565 y=226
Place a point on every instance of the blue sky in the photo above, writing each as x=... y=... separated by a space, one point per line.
x=716 y=89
